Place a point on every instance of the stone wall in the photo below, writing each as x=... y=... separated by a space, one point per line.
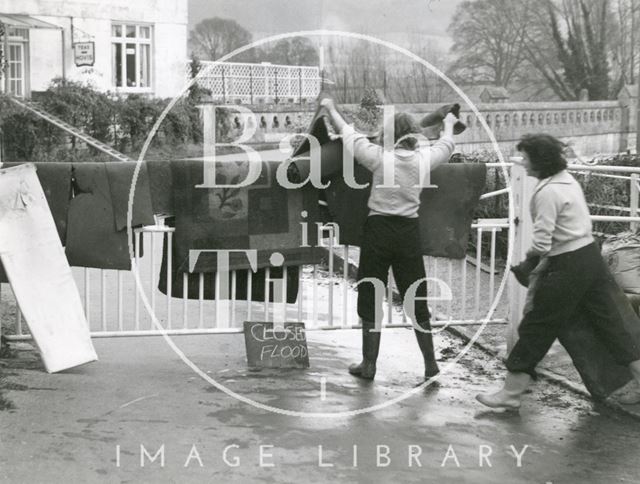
x=589 y=127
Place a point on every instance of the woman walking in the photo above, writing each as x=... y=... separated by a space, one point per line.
x=391 y=233
x=570 y=278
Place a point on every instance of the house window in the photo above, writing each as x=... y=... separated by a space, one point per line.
x=17 y=61
x=131 y=57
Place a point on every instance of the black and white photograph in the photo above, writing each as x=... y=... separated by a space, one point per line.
x=320 y=241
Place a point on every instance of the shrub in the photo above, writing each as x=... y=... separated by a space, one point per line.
x=123 y=122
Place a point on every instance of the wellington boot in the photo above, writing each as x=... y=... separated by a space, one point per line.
x=508 y=397
x=370 y=347
x=425 y=342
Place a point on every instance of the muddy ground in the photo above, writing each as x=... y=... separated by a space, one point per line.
x=102 y=422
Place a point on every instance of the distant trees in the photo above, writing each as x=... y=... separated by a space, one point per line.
x=624 y=40
x=567 y=45
x=485 y=47
x=214 y=37
x=296 y=51
x=356 y=66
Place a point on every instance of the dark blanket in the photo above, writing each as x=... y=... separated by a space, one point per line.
x=120 y=176
x=160 y=186
x=263 y=216
x=446 y=212
x=347 y=206
x=318 y=129
x=92 y=240
x=597 y=367
x=209 y=286
x=330 y=159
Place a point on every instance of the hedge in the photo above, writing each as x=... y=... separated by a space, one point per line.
x=119 y=121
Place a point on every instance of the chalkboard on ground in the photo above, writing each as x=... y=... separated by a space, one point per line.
x=269 y=347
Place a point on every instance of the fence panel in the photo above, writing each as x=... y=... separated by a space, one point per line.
x=252 y=82
x=326 y=298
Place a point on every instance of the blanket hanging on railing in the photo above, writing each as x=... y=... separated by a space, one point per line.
x=446 y=212
x=96 y=229
x=160 y=186
x=258 y=285
x=92 y=224
x=263 y=216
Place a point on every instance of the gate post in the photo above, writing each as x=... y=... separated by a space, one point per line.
x=634 y=199
x=522 y=187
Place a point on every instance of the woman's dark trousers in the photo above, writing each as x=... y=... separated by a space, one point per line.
x=393 y=242
x=572 y=286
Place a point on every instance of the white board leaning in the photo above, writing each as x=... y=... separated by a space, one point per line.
x=39 y=274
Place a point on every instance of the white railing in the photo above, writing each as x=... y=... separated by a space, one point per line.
x=325 y=300
x=632 y=175
x=629 y=173
x=252 y=83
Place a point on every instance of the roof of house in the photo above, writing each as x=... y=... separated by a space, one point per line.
x=496 y=92
x=474 y=91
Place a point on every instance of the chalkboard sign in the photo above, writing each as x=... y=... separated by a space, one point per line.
x=285 y=347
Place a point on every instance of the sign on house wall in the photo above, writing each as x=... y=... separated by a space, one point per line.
x=84 y=53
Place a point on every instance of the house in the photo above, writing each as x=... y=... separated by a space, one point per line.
x=482 y=93
x=119 y=46
x=494 y=94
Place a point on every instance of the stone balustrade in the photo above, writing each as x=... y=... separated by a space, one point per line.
x=590 y=127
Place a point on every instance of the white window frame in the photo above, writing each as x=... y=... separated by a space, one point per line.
x=138 y=41
x=21 y=40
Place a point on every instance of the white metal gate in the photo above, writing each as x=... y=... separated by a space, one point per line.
x=326 y=298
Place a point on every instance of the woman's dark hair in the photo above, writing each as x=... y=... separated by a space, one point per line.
x=405 y=129
x=545 y=153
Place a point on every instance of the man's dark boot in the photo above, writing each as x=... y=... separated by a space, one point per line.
x=370 y=347
x=425 y=341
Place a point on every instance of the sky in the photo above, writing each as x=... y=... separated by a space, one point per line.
x=382 y=18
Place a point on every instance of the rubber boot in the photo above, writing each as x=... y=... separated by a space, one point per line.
x=508 y=397
x=632 y=396
x=370 y=347
x=425 y=341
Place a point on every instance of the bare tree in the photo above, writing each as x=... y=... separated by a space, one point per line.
x=297 y=51
x=486 y=48
x=569 y=47
x=624 y=57
x=356 y=66
x=214 y=37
